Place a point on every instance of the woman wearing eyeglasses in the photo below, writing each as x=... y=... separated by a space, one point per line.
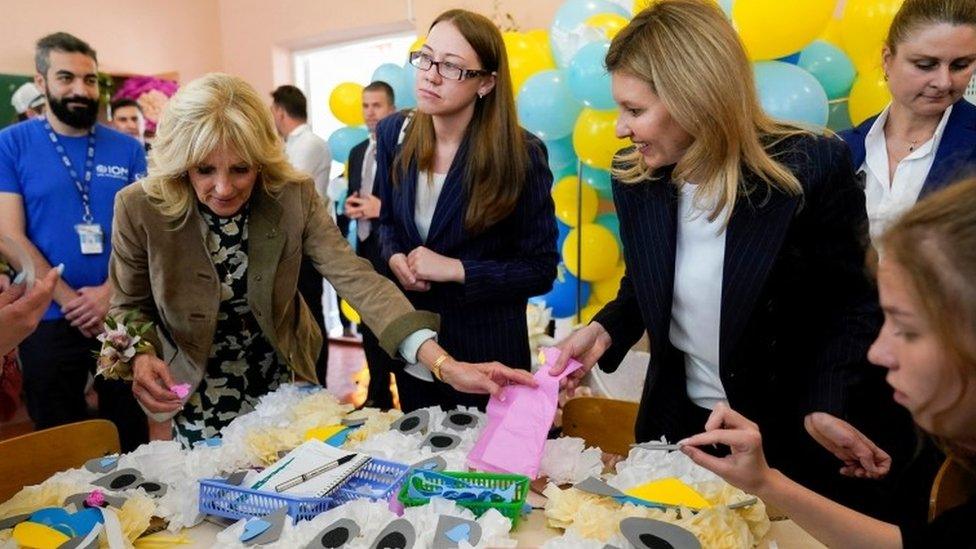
x=467 y=225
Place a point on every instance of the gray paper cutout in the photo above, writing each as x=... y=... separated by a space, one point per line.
x=109 y=479
x=455 y=420
x=446 y=523
x=436 y=463
x=350 y=525
x=277 y=521
x=414 y=422
x=353 y=422
x=10 y=522
x=79 y=542
x=644 y=532
x=95 y=465
x=454 y=441
x=596 y=486
x=235 y=478
x=398 y=534
x=78 y=500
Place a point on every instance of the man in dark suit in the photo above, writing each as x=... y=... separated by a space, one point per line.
x=363 y=207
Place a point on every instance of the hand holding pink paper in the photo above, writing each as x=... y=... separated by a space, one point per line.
x=515 y=434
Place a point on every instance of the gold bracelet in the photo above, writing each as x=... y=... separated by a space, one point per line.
x=436 y=366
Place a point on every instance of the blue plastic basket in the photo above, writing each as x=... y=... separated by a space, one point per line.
x=377 y=480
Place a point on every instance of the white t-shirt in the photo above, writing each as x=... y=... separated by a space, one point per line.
x=887 y=199
x=696 y=309
x=428 y=191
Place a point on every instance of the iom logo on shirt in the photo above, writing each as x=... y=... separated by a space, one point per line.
x=114 y=172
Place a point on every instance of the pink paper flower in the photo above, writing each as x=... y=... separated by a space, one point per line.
x=182 y=390
x=95 y=499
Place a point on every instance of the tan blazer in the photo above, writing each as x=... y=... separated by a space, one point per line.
x=162 y=269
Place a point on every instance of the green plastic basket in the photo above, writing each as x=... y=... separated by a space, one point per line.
x=511 y=510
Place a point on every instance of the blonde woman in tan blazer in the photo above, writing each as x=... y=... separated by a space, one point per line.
x=208 y=248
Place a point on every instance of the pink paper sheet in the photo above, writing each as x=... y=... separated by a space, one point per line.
x=515 y=434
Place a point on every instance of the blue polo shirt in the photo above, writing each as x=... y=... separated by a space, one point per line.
x=32 y=168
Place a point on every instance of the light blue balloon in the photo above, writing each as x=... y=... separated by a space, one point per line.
x=790 y=93
x=840 y=115
x=588 y=77
x=560 y=172
x=546 y=107
x=726 y=7
x=611 y=222
x=562 y=297
x=344 y=139
x=599 y=180
x=561 y=155
x=395 y=76
x=408 y=99
x=830 y=66
x=574 y=13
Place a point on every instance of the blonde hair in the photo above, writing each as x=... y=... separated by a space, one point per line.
x=498 y=161
x=689 y=54
x=914 y=14
x=213 y=111
x=934 y=244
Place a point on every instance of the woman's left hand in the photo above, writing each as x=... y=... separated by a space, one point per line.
x=434 y=267
x=862 y=458
x=485 y=377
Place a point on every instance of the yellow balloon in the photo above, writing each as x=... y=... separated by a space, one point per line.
x=600 y=252
x=527 y=55
x=346 y=102
x=590 y=311
x=595 y=139
x=568 y=194
x=776 y=28
x=869 y=96
x=609 y=23
x=832 y=33
x=605 y=290
x=417 y=44
x=350 y=313
x=864 y=27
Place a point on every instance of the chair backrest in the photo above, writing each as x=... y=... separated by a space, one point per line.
x=603 y=422
x=953 y=486
x=32 y=458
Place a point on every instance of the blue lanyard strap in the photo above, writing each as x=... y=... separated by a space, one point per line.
x=81 y=184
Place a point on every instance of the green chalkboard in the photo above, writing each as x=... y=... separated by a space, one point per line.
x=8 y=85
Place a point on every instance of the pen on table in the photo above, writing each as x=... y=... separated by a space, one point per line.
x=292 y=482
x=265 y=480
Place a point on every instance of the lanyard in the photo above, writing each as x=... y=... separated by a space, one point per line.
x=81 y=185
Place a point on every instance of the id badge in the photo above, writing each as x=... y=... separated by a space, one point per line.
x=90 y=238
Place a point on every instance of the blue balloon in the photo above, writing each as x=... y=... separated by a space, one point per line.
x=561 y=172
x=574 y=13
x=396 y=77
x=726 y=7
x=588 y=77
x=790 y=93
x=562 y=297
x=792 y=59
x=612 y=224
x=561 y=154
x=408 y=99
x=563 y=233
x=599 y=180
x=344 y=139
x=830 y=66
x=546 y=106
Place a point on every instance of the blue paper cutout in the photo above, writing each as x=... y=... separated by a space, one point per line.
x=254 y=528
x=108 y=461
x=77 y=524
x=461 y=532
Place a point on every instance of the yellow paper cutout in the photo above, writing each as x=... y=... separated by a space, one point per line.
x=669 y=491
x=324 y=433
x=38 y=536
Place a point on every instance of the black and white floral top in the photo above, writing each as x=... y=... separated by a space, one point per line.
x=243 y=366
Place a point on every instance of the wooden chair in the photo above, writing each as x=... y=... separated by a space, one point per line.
x=953 y=486
x=603 y=422
x=32 y=458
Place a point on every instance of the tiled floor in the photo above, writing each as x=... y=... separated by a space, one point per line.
x=346 y=376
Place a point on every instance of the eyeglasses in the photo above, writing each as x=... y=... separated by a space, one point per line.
x=424 y=62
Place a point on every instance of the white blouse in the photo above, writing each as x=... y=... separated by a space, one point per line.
x=428 y=191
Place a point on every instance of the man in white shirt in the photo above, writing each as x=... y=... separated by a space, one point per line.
x=308 y=153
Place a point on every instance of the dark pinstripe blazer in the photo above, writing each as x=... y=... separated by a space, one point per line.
x=798 y=312
x=484 y=318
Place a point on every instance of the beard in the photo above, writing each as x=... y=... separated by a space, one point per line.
x=82 y=116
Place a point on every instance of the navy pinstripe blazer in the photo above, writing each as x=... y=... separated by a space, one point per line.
x=955 y=158
x=484 y=318
x=798 y=312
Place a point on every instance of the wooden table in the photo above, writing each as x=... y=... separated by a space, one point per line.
x=533 y=532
